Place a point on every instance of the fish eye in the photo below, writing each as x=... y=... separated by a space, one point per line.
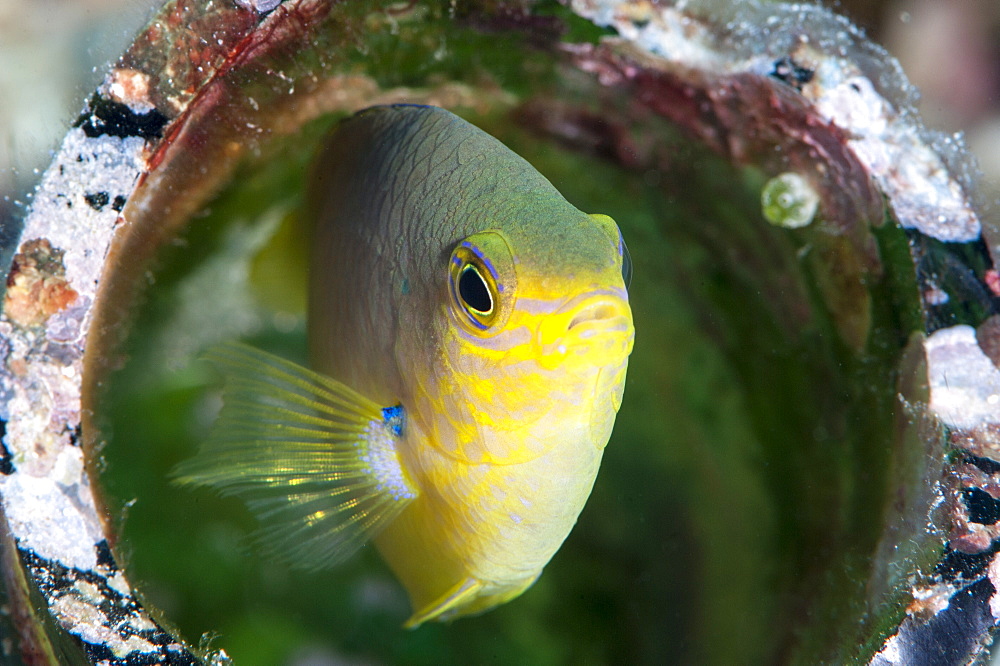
x=474 y=291
x=483 y=282
x=474 y=288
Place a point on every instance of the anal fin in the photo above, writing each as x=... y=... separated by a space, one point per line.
x=449 y=603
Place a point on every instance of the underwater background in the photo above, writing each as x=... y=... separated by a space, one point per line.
x=703 y=540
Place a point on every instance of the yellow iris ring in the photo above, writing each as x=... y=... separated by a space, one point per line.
x=472 y=269
x=465 y=259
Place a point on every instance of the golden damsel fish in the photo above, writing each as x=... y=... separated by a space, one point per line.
x=469 y=332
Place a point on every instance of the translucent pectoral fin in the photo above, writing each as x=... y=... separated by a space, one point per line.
x=313 y=459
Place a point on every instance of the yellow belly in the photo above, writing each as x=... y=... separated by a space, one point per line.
x=479 y=535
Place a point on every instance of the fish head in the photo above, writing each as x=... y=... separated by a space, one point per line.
x=537 y=330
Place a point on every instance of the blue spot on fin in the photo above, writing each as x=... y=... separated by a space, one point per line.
x=395 y=419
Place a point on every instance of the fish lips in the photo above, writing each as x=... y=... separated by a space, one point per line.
x=591 y=329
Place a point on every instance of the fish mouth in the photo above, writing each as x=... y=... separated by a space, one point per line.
x=595 y=328
x=600 y=314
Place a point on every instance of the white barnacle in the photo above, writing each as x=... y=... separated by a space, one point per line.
x=789 y=201
x=964 y=381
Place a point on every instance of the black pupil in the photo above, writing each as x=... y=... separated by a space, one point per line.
x=473 y=290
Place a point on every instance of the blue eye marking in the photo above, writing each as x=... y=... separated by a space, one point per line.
x=482 y=258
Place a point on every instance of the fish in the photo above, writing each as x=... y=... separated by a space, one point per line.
x=468 y=338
